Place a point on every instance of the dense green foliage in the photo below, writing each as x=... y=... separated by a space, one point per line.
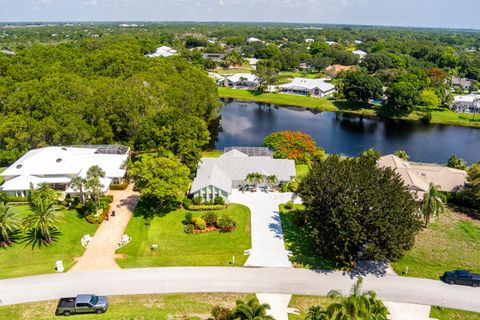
x=356 y=208
x=360 y=86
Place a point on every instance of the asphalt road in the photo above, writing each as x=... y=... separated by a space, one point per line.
x=225 y=279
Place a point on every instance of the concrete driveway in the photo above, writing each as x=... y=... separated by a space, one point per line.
x=268 y=248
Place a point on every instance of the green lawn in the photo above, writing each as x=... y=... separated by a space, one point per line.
x=233 y=71
x=176 y=248
x=1 y=170
x=452 y=242
x=212 y=153
x=151 y=306
x=302 y=170
x=302 y=303
x=299 y=242
x=21 y=260
x=439 y=115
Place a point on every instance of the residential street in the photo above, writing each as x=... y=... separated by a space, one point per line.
x=225 y=279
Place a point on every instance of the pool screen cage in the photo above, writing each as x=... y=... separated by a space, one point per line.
x=106 y=149
x=252 y=151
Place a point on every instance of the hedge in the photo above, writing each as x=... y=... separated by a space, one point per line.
x=16 y=199
x=203 y=207
x=121 y=186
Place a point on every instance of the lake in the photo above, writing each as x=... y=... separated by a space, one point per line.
x=247 y=123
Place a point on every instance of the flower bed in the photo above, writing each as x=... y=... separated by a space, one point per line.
x=209 y=222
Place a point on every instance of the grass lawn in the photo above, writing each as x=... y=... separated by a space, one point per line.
x=439 y=115
x=302 y=170
x=298 y=241
x=1 y=170
x=176 y=248
x=302 y=303
x=21 y=260
x=451 y=242
x=151 y=306
x=212 y=153
x=233 y=71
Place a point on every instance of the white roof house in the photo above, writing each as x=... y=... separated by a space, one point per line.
x=360 y=53
x=218 y=176
x=253 y=39
x=163 y=51
x=304 y=86
x=58 y=165
x=469 y=103
x=240 y=80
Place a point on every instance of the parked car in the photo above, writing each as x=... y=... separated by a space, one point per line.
x=83 y=303
x=464 y=277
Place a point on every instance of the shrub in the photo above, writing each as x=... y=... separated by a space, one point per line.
x=289 y=205
x=197 y=200
x=90 y=207
x=219 y=200
x=210 y=218
x=16 y=199
x=200 y=224
x=203 y=207
x=284 y=187
x=208 y=203
x=293 y=186
x=120 y=186
x=80 y=208
x=95 y=219
x=188 y=229
x=299 y=218
x=226 y=223
x=108 y=198
x=221 y=313
x=426 y=118
x=186 y=203
x=188 y=217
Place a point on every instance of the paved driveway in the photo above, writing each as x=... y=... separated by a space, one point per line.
x=268 y=248
x=229 y=279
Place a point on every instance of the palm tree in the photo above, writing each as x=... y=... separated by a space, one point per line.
x=272 y=180
x=254 y=178
x=93 y=182
x=45 y=216
x=9 y=223
x=317 y=313
x=78 y=184
x=251 y=310
x=358 y=305
x=433 y=203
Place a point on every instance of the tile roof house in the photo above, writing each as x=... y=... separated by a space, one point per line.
x=418 y=177
x=308 y=87
x=240 y=81
x=218 y=176
x=59 y=165
x=335 y=69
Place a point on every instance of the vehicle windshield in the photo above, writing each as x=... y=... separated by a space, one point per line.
x=94 y=300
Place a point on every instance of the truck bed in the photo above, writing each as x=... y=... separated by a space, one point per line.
x=66 y=303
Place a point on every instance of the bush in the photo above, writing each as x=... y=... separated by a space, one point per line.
x=108 y=198
x=299 y=218
x=203 y=207
x=289 y=205
x=186 y=203
x=120 y=186
x=16 y=199
x=284 y=187
x=197 y=200
x=210 y=218
x=226 y=223
x=188 y=217
x=80 y=208
x=189 y=228
x=293 y=186
x=221 y=313
x=219 y=200
x=426 y=118
x=208 y=203
x=200 y=224
x=94 y=219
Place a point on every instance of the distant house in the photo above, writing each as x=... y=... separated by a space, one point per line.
x=253 y=39
x=240 y=81
x=335 y=69
x=331 y=43
x=418 y=177
x=217 y=57
x=309 y=40
x=464 y=83
x=358 y=41
x=468 y=104
x=252 y=62
x=57 y=166
x=360 y=53
x=308 y=87
x=8 y=52
x=163 y=51
x=217 y=177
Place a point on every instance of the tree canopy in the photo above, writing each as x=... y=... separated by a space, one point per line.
x=293 y=145
x=360 y=86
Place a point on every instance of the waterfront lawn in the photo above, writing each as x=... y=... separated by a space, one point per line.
x=450 y=242
x=176 y=248
x=298 y=240
x=212 y=153
x=145 y=306
x=21 y=260
x=303 y=303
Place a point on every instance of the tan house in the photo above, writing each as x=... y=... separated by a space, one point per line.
x=335 y=69
x=418 y=177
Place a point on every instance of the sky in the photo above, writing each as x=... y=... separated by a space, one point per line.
x=417 y=13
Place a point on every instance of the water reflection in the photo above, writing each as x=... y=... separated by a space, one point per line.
x=247 y=123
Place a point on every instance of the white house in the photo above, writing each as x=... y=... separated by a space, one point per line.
x=252 y=62
x=360 y=53
x=464 y=83
x=468 y=104
x=216 y=177
x=240 y=81
x=330 y=43
x=309 y=40
x=308 y=87
x=253 y=39
x=57 y=166
x=163 y=51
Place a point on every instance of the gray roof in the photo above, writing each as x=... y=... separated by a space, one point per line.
x=234 y=166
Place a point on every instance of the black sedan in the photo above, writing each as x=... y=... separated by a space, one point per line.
x=464 y=277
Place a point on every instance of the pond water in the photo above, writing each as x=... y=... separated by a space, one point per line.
x=247 y=123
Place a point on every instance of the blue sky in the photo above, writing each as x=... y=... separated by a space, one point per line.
x=428 y=13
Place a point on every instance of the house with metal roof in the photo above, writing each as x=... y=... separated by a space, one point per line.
x=468 y=104
x=360 y=53
x=240 y=81
x=217 y=177
x=308 y=87
x=57 y=166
